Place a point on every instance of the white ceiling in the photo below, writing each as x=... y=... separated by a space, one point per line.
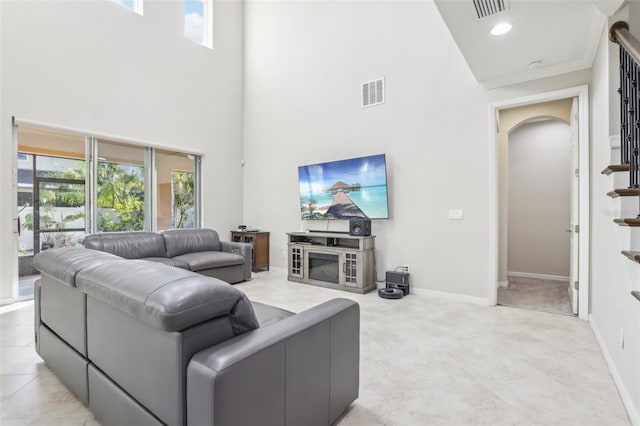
x=562 y=34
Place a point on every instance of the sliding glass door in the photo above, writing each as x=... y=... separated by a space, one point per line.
x=51 y=195
x=69 y=185
x=59 y=208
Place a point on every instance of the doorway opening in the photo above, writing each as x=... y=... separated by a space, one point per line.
x=529 y=228
x=51 y=197
x=538 y=177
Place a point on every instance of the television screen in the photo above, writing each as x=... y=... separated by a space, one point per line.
x=345 y=189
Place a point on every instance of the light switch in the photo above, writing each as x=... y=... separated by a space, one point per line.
x=455 y=214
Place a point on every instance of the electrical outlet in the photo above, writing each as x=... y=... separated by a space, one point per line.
x=455 y=214
x=406 y=268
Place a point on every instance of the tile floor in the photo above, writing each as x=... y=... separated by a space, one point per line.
x=424 y=361
x=25 y=286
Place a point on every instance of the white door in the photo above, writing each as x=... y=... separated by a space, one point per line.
x=574 y=220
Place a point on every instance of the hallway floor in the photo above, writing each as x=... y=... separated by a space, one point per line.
x=536 y=294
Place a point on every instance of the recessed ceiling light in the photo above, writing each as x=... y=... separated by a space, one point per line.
x=501 y=28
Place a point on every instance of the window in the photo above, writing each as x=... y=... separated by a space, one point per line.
x=121 y=187
x=132 y=5
x=183 y=200
x=51 y=192
x=198 y=20
x=176 y=190
x=72 y=184
x=54 y=215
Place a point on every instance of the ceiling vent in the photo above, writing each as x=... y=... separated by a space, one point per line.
x=486 y=8
x=373 y=93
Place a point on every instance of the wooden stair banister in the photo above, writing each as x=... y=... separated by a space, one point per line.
x=619 y=33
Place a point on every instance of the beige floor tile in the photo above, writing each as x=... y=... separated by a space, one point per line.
x=424 y=361
x=9 y=384
x=44 y=398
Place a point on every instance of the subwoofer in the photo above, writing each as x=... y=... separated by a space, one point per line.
x=360 y=227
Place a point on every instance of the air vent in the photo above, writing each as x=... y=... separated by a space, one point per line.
x=373 y=93
x=486 y=8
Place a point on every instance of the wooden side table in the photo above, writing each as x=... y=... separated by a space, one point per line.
x=259 y=248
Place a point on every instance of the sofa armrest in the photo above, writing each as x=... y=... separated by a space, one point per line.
x=301 y=370
x=242 y=248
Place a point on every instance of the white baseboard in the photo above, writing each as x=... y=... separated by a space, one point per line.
x=539 y=276
x=7 y=301
x=503 y=284
x=451 y=296
x=627 y=401
x=14 y=306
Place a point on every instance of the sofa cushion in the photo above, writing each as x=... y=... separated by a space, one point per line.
x=210 y=259
x=181 y=241
x=65 y=263
x=165 y=297
x=168 y=261
x=268 y=314
x=130 y=245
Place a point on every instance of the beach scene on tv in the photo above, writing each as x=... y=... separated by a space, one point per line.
x=345 y=189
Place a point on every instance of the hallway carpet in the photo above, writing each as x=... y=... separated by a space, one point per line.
x=536 y=294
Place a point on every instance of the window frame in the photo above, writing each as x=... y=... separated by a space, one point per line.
x=207 y=23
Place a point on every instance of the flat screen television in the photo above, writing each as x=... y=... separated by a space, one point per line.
x=345 y=189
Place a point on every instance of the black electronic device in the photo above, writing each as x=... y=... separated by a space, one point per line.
x=399 y=280
x=359 y=227
x=390 y=293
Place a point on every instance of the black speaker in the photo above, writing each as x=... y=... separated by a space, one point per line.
x=360 y=227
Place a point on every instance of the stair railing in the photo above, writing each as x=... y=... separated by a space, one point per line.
x=629 y=103
x=629 y=99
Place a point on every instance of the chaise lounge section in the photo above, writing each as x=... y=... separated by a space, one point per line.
x=197 y=250
x=145 y=343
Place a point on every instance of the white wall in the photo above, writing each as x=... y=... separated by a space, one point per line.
x=539 y=198
x=305 y=62
x=613 y=309
x=99 y=67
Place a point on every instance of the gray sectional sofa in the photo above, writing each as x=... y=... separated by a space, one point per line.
x=144 y=343
x=197 y=250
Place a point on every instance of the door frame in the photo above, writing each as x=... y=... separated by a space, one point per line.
x=582 y=93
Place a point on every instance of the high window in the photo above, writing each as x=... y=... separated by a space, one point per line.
x=198 y=18
x=132 y=5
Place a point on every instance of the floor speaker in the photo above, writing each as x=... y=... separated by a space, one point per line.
x=360 y=227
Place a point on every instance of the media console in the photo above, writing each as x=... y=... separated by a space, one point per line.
x=332 y=260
